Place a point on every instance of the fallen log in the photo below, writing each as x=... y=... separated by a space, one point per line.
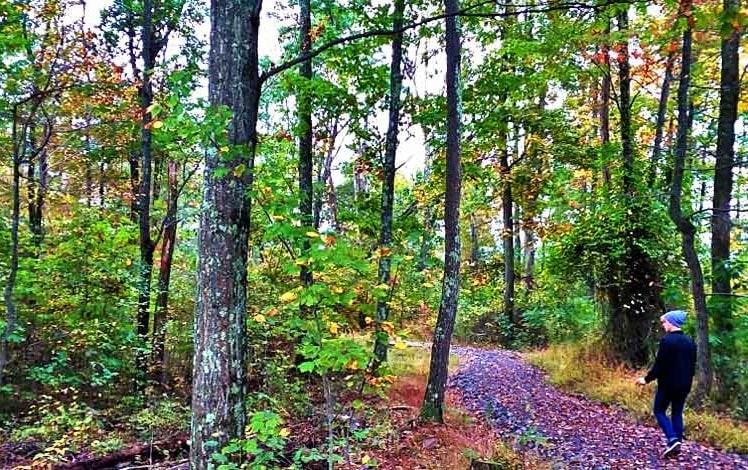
x=156 y=451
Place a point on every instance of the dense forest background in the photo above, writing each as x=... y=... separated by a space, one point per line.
x=192 y=230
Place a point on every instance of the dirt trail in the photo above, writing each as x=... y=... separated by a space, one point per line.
x=572 y=431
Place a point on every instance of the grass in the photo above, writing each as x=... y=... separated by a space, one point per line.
x=582 y=368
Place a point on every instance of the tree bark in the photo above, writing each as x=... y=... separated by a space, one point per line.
x=168 y=241
x=144 y=194
x=433 y=401
x=507 y=236
x=388 y=183
x=10 y=283
x=306 y=164
x=605 y=102
x=661 y=117
x=685 y=226
x=474 y=243
x=723 y=183
x=219 y=382
x=624 y=105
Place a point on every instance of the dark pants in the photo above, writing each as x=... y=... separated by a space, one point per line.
x=673 y=426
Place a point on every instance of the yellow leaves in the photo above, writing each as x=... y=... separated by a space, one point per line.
x=284 y=432
x=336 y=289
x=289 y=296
x=428 y=285
x=329 y=240
x=383 y=251
x=239 y=170
x=277 y=218
x=312 y=234
x=157 y=124
x=400 y=344
x=408 y=258
x=352 y=365
x=388 y=327
x=259 y=318
x=365 y=459
x=224 y=149
x=333 y=327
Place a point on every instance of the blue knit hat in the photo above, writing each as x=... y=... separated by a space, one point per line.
x=676 y=317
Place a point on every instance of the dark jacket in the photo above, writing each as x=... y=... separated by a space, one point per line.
x=675 y=364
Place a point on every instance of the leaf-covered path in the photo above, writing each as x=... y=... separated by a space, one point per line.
x=570 y=430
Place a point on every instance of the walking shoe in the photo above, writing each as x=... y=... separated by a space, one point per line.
x=672 y=449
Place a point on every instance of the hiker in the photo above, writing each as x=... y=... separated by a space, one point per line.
x=674 y=368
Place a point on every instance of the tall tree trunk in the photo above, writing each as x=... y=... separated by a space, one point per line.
x=723 y=182
x=388 y=183
x=507 y=236
x=433 y=401
x=323 y=179
x=517 y=240
x=219 y=366
x=624 y=104
x=685 y=226
x=10 y=306
x=661 y=117
x=168 y=241
x=306 y=164
x=474 y=242
x=144 y=193
x=634 y=296
x=605 y=101
x=134 y=167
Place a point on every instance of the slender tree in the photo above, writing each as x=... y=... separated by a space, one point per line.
x=144 y=191
x=168 y=240
x=661 y=117
x=388 y=180
x=723 y=185
x=433 y=401
x=306 y=164
x=684 y=225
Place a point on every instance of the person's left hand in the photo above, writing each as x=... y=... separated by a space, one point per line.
x=641 y=381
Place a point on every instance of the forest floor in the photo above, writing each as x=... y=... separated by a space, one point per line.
x=499 y=409
x=569 y=431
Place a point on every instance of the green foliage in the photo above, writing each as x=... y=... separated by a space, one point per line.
x=62 y=427
x=261 y=450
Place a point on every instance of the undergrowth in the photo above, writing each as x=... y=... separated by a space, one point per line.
x=583 y=368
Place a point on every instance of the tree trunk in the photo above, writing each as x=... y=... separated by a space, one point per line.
x=388 y=183
x=144 y=194
x=634 y=296
x=306 y=187
x=10 y=306
x=433 y=401
x=168 y=241
x=661 y=116
x=723 y=182
x=624 y=104
x=517 y=240
x=218 y=381
x=474 y=243
x=134 y=166
x=685 y=226
x=605 y=103
x=324 y=181
x=507 y=237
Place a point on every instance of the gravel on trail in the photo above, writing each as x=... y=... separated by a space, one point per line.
x=568 y=430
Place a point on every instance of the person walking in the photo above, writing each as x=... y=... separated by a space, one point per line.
x=674 y=368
